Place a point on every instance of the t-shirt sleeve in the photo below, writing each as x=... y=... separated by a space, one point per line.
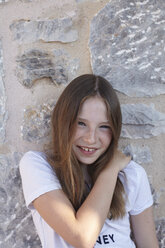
x=37 y=176
x=141 y=197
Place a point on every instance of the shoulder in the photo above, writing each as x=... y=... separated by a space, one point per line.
x=137 y=188
x=134 y=176
x=35 y=164
x=33 y=159
x=38 y=176
x=134 y=170
x=32 y=155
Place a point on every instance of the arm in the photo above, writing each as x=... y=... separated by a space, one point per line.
x=144 y=229
x=81 y=228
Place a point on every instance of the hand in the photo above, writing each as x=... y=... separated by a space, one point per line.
x=119 y=160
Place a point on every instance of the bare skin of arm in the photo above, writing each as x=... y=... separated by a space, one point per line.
x=81 y=228
x=144 y=229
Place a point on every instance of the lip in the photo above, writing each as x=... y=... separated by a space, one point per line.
x=87 y=150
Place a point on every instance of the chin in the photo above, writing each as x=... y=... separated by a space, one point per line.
x=87 y=162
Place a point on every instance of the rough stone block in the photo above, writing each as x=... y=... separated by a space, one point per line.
x=3 y=1
x=141 y=121
x=46 y=30
x=141 y=155
x=160 y=229
x=127 y=46
x=3 y=113
x=157 y=194
x=37 y=64
x=16 y=227
x=81 y=1
x=36 y=123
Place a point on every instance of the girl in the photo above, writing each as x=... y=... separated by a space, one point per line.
x=87 y=194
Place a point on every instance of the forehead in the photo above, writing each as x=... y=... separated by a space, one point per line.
x=93 y=107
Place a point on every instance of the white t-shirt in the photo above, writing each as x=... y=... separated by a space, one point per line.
x=38 y=178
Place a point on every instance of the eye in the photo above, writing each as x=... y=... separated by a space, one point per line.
x=105 y=126
x=81 y=123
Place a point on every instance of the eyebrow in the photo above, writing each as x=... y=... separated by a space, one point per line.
x=103 y=122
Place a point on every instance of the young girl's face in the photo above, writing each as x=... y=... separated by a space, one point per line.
x=93 y=133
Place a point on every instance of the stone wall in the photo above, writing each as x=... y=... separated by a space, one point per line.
x=43 y=45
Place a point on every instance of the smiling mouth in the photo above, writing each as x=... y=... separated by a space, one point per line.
x=86 y=149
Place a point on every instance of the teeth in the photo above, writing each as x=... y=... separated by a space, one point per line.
x=88 y=149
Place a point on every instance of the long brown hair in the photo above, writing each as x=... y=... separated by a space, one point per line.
x=64 y=162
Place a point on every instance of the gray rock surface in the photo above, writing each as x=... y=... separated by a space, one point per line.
x=157 y=194
x=16 y=227
x=141 y=155
x=46 y=30
x=127 y=45
x=37 y=64
x=3 y=113
x=81 y=1
x=160 y=229
x=3 y=1
x=141 y=121
x=36 y=122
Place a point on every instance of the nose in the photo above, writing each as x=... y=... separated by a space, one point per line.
x=90 y=137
